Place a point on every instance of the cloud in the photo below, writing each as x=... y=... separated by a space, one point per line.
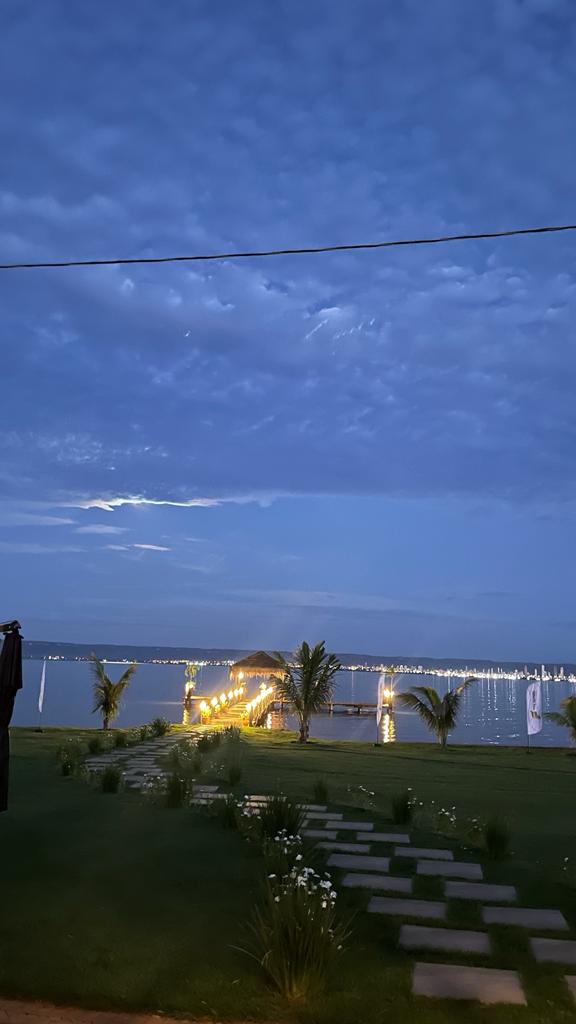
x=101 y=528
x=117 y=547
x=18 y=548
x=18 y=519
x=151 y=547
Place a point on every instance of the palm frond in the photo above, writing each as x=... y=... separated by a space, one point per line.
x=414 y=703
x=558 y=718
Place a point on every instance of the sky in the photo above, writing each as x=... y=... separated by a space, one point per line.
x=376 y=448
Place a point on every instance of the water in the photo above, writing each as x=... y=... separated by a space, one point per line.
x=493 y=711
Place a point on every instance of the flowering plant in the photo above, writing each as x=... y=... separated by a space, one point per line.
x=296 y=934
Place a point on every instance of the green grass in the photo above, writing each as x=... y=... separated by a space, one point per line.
x=107 y=901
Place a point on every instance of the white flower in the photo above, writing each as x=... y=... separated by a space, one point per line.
x=276 y=899
x=299 y=856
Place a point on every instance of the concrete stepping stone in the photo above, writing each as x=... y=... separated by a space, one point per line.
x=355 y=826
x=483 y=984
x=454 y=869
x=205 y=789
x=389 y=883
x=318 y=833
x=554 y=951
x=448 y=940
x=363 y=863
x=314 y=807
x=419 y=852
x=324 y=816
x=429 y=909
x=388 y=837
x=571 y=982
x=526 y=917
x=343 y=847
x=480 y=891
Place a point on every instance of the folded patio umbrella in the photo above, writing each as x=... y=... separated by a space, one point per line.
x=10 y=683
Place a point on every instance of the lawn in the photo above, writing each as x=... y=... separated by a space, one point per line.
x=108 y=901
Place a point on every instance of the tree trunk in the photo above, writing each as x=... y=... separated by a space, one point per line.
x=304 y=731
x=105 y=722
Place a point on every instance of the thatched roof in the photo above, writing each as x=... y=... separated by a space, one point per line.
x=259 y=664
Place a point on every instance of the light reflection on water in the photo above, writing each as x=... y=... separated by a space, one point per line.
x=493 y=711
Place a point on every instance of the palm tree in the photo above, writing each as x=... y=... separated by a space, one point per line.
x=309 y=684
x=107 y=695
x=438 y=713
x=567 y=719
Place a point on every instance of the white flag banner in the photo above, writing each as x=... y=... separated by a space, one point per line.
x=534 y=707
x=380 y=697
x=42 y=685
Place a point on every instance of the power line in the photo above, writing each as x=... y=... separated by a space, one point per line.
x=304 y=251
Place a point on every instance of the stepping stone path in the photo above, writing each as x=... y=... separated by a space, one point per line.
x=344 y=860
x=448 y=940
x=455 y=869
x=461 y=880
x=138 y=763
x=554 y=951
x=407 y=908
x=318 y=833
x=480 y=891
x=524 y=917
x=389 y=883
x=449 y=981
x=419 y=852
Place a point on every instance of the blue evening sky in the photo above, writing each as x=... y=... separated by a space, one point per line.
x=376 y=449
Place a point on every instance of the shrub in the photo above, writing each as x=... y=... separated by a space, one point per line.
x=497 y=839
x=279 y=814
x=144 y=733
x=120 y=740
x=95 y=745
x=110 y=779
x=320 y=791
x=402 y=807
x=208 y=741
x=160 y=727
x=177 y=791
x=296 y=936
x=133 y=737
x=70 y=754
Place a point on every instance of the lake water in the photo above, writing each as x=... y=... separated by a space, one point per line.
x=493 y=711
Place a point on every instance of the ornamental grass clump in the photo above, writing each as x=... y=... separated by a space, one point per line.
x=296 y=935
x=160 y=727
x=227 y=812
x=177 y=791
x=282 y=853
x=320 y=791
x=279 y=814
x=70 y=756
x=233 y=769
x=185 y=759
x=209 y=741
x=110 y=779
x=120 y=740
x=96 y=745
x=402 y=807
x=497 y=839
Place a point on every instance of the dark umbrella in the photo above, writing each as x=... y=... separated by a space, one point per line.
x=10 y=683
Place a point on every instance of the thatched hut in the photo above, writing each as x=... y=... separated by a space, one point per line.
x=261 y=664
